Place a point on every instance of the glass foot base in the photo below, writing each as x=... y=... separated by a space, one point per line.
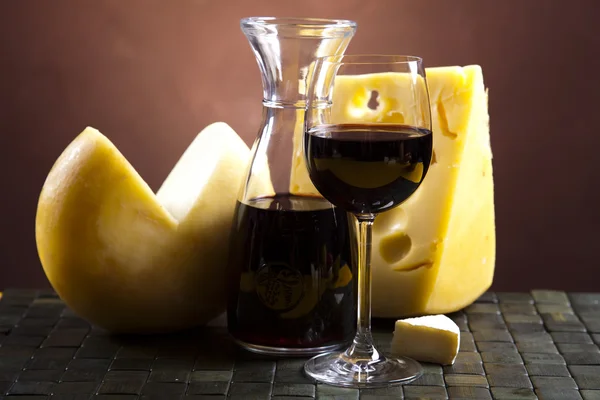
x=288 y=351
x=339 y=370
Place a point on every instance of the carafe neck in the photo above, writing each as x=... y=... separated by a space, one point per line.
x=286 y=48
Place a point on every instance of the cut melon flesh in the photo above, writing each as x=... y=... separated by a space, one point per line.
x=132 y=261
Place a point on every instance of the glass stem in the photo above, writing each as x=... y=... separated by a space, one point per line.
x=362 y=349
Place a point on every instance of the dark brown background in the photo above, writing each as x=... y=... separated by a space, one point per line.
x=151 y=74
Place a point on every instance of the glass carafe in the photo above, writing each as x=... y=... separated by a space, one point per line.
x=292 y=279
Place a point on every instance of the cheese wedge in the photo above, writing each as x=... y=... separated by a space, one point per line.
x=436 y=252
x=132 y=261
x=433 y=338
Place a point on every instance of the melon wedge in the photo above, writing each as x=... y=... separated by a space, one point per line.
x=127 y=259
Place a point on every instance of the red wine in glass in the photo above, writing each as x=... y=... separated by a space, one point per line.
x=367 y=168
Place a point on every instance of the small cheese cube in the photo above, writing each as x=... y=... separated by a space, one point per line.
x=433 y=338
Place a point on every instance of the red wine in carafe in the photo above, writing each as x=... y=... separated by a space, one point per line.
x=291 y=276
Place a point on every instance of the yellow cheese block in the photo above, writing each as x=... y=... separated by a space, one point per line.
x=132 y=261
x=433 y=338
x=436 y=252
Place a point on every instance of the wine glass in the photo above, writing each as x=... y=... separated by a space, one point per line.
x=367 y=147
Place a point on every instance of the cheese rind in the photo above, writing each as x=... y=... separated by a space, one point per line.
x=435 y=253
x=433 y=338
x=132 y=261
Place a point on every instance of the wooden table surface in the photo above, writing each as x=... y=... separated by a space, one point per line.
x=543 y=344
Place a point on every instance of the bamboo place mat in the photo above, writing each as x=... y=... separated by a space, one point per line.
x=542 y=344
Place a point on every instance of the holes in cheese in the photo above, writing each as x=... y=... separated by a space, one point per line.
x=394 y=247
x=373 y=103
x=396 y=223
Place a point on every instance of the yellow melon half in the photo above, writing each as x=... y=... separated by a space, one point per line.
x=130 y=260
